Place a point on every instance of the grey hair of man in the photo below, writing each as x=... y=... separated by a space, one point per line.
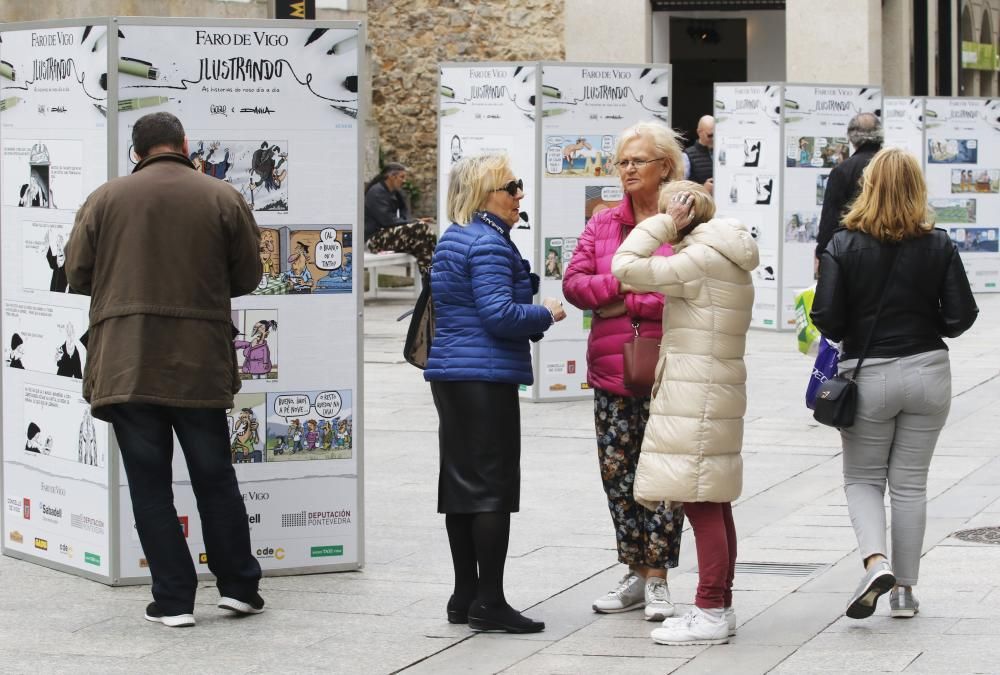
x=865 y=128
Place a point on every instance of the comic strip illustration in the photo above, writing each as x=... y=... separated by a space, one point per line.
x=306 y=259
x=975 y=239
x=258 y=170
x=802 y=227
x=952 y=151
x=975 y=180
x=740 y=152
x=44 y=339
x=817 y=152
x=558 y=253
x=45 y=174
x=954 y=210
x=43 y=255
x=58 y=424
x=246 y=437
x=751 y=189
x=310 y=425
x=600 y=197
x=256 y=343
x=583 y=155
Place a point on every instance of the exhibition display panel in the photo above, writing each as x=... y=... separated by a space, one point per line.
x=558 y=123
x=271 y=108
x=962 y=144
x=776 y=144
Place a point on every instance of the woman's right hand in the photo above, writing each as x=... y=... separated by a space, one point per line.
x=556 y=307
x=680 y=208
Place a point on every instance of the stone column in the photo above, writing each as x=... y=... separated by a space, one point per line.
x=897 y=47
x=602 y=31
x=833 y=42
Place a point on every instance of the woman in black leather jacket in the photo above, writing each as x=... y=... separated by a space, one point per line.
x=904 y=386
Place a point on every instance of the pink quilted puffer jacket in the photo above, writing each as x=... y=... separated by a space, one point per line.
x=589 y=284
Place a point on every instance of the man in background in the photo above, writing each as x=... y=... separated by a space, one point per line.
x=698 y=164
x=844 y=185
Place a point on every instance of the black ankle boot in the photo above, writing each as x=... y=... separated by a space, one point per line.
x=499 y=616
x=458 y=610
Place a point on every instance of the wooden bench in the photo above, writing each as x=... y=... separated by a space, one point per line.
x=374 y=261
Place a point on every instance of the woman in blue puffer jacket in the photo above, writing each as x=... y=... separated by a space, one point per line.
x=480 y=354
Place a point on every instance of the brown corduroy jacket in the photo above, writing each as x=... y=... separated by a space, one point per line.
x=161 y=252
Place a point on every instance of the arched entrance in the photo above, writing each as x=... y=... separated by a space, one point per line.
x=986 y=77
x=968 y=78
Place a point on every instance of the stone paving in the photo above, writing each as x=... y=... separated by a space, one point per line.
x=389 y=617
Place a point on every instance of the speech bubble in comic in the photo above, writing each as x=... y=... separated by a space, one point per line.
x=328 y=404
x=292 y=405
x=612 y=193
x=329 y=252
x=553 y=159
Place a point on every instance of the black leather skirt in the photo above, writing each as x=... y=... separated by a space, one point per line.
x=480 y=439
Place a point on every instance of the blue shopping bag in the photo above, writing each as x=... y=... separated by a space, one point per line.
x=825 y=367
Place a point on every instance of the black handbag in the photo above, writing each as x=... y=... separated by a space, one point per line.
x=420 y=334
x=837 y=398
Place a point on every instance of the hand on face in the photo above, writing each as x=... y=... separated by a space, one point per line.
x=681 y=210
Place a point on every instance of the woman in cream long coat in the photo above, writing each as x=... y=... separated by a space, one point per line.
x=691 y=451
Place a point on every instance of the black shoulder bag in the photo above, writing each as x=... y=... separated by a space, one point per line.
x=837 y=398
x=419 y=335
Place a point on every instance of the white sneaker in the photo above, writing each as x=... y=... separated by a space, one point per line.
x=630 y=594
x=731 y=621
x=658 y=604
x=694 y=628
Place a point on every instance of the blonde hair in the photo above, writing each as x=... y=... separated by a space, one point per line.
x=471 y=182
x=703 y=207
x=665 y=140
x=892 y=205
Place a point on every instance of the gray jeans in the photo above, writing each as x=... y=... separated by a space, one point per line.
x=903 y=404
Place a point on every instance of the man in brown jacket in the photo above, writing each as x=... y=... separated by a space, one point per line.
x=161 y=252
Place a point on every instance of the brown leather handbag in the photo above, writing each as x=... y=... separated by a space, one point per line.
x=641 y=355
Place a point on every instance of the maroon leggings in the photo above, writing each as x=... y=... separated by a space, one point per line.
x=715 y=539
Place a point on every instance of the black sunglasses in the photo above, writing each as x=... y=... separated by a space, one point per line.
x=512 y=188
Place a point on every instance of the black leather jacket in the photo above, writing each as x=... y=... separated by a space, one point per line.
x=928 y=298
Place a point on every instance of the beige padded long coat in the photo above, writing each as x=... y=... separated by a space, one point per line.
x=691 y=450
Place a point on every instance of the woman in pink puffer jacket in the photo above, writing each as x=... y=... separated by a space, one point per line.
x=647 y=156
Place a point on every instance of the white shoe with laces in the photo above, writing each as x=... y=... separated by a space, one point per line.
x=694 y=628
x=658 y=604
x=628 y=595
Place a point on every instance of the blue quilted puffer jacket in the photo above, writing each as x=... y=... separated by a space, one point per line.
x=483 y=312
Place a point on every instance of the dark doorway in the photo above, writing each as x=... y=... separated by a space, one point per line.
x=703 y=52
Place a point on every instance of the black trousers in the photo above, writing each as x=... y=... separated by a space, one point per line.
x=145 y=436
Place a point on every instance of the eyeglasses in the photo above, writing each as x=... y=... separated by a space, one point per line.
x=512 y=188
x=637 y=163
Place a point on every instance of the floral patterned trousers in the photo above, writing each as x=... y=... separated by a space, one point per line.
x=417 y=239
x=645 y=538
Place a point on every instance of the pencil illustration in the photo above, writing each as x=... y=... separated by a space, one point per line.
x=128 y=104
